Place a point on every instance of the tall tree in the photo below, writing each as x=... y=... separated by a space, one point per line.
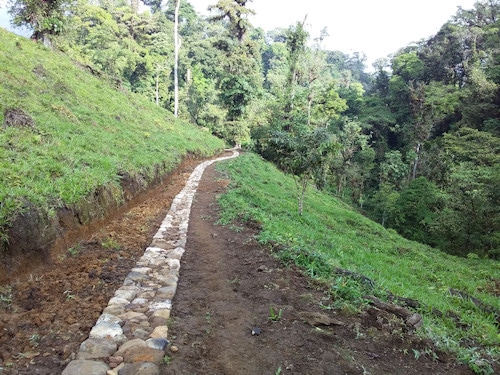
x=241 y=79
x=176 y=58
x=236 y=12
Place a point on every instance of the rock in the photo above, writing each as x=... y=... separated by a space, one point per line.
x=317 y=319
x=143 y=270
x=256 y=331
x=141 y=333
x=143 y=354
x=157 y=343
x=108 y=330
x=114 y=309
x=161 y=305
x=116 y=370
x=140 y=301
x=135 y=343
x=96 y=349
x=86 y=367
x=137 y=276
x=133 y=316
x=415 y=320
x=127 y=292
x=166 y=293
x=159 y=332
x=174 y=349
x=176 y=253
x=108 y=318
x=143 y=368
x=158 y=322
x=118 y=301
x=165 y=314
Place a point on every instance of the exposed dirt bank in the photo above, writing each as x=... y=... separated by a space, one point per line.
x=36 y=238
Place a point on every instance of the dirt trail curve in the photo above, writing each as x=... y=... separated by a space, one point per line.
x=230 y=306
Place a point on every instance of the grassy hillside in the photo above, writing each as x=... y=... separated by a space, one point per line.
x=66 y=132
x=331 y=236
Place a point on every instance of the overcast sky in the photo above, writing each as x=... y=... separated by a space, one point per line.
x=375 y=27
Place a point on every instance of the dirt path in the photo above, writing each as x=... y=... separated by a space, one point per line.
x=228 y=284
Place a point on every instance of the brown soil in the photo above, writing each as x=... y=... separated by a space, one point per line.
x=227 y=286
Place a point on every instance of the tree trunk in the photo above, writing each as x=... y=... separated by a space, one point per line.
x=176 y=58
x=157 y=86
x=415 y=164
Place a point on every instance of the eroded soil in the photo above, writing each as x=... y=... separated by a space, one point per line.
x=227 y=286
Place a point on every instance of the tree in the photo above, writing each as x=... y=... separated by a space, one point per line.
x=241 y=79
x=416 y=209
x=305 y=154
x=176 y=58
x=43 y=17
x=351 y=141
x=236 y=12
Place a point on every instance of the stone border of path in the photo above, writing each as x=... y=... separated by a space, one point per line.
x=130 y=336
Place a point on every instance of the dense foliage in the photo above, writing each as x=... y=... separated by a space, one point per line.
x=416 y=143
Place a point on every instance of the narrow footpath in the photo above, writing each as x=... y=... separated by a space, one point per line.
x=132 y=332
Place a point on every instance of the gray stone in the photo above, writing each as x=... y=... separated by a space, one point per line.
x=114 y=309
x=147 y=294
x=137 y=276
x=108 y=318
x=127 y=292
x=143 y=270
x=141 y=333
x=157 y=343
x=166 y=292
x=161 y=305
x=118 y=301
x=85 y=367
x=140 y=301
x=176 y=253
x=96 y=349
x=135 y=343
x=105 y=330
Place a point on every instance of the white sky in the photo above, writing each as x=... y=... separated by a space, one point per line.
x=375 y=27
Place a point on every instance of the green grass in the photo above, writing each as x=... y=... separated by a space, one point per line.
x=331 y=235
x=86 y=134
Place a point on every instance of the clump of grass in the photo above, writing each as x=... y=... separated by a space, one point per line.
x=331 y=236
x=110 y=243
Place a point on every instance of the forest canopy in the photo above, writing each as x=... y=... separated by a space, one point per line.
x=414 y=145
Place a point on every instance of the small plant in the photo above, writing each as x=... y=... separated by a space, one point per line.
x=6 y=297
x=416 y=353
x=73 y=251
x=278 y=371
x=208 y=319
x=166 y=360
x=111 y=243
x=35 y=340
x=68 y=294
x=236 y=280
x=275 y=316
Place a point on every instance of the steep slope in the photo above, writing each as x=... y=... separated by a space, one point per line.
x=73 y=149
